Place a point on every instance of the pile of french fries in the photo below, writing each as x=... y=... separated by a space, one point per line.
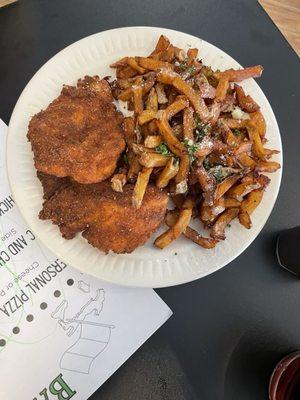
x=194 y=132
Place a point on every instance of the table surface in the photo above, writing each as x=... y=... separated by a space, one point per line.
x=229 y=329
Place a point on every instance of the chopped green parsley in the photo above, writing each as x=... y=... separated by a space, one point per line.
x=163 y=149
x=191 y=148
x=236 y=132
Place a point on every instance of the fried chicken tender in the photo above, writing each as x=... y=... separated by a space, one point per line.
x=107 y=219
x=51 y=184
x=79 y=134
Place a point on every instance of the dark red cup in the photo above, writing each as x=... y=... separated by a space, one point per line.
x=285 y=380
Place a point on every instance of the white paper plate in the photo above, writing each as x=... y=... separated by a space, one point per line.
x=147 y=266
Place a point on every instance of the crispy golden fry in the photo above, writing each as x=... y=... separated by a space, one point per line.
x=229 y=202
x=252 y=201
x=241 y=190
x=207 y=91
x=236 y=123
x=138 y=99
x=146 y=116
x=174 y=144
x=152 y=141
x=125 y=95
x=224 y=186
x=118 y=181
x=134 y=167
x=246 y=161
x=186 y=89
x=134 y=65
x=207 y=184
x=167 y=173
x=183 y=170
x=208 y=214
x=245 y=220
x=140 y=187
x=162 y=44
x=267 y=166
x=152 y=103
x=257 y=147
x=245 y=102
x=243 y=147
x=207 y=243
x=188 y=123
x=218 y=229
x=258 y=120
x=175 y=108
x=222 y=88
x=241 y=74
x=249 y=205
x=181 y=224
x=152 y=160
x=123 y=62
x=153 y=65
x=129 y=134
x=161 y=95
x=125 y=72
x=192 y=54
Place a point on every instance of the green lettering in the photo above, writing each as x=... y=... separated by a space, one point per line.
x=62 y=390
x=44 y=393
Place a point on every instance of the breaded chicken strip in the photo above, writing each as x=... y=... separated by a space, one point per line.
x=51 y=184
x=79 y=134
x=106 y=218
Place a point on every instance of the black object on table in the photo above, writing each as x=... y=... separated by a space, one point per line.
x=229 y=329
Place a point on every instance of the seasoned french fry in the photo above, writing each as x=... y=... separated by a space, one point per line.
x=134 y=167
x=192 y=53
x=161 y=95
x=152 y=103
x=175 y=108
x=249 y=205
x=245 y=102
x=188 y=124
x=125 y=72
x=246 y=161
x=267 y=166
x=146 y=116
x=153 y=65
x=152 y=141
x=207 y=184
x=183 y=170
x=140 y=187
x=130 y=136
x=224 y=186
x=245 y=220
x=118 y=181
x=218 y=229
x=186 y=89
x=150 y=81
x=162 y=44
x=207 y=243
x=152 y=160
x=167 y=173
x=259 y=122
x=229 y=202
x=241 y=190
x=181 y=224
x=222 y=88
x=174 y=144
x=134 y=65
x=208 y=214
x=138 y=99
x=257 y=147
x=241 y=74
x=123 y=62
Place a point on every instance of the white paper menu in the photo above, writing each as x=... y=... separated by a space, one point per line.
x=62 y=333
